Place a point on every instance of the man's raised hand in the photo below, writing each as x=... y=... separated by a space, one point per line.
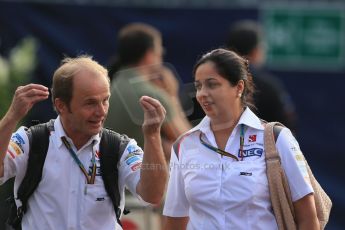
x=154 y=114
x=25 y=97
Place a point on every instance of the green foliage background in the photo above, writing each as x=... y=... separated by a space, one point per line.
x=15 y=70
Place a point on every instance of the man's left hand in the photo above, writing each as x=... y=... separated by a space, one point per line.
x=154 y=114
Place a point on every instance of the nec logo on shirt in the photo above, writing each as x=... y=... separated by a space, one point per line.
x=251 y=152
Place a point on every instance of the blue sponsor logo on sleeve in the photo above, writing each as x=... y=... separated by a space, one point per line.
x=16 y=138
x=19 y=139
x=132 y=159
x=134 y=149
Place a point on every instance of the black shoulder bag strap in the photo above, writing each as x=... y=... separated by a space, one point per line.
x=39 y=142
x=111 y=148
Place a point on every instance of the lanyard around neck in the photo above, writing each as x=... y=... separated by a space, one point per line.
x=89 y=178
x=224 y=153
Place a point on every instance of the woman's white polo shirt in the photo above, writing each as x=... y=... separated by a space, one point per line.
x=218 y=192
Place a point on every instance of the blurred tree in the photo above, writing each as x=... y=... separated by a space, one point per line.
x=15 y=70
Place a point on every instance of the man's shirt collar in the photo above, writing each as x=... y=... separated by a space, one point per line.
x=60 y=132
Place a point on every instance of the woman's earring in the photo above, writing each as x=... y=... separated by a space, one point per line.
x=239 y=94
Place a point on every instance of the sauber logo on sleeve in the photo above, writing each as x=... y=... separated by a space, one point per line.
x=252 y=138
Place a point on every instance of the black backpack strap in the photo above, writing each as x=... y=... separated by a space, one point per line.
x=111 y=148
x=39 y=142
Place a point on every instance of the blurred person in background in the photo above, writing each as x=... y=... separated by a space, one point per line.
x=218 y=174
x=137 y=70
x=72 y=193
x=272 y=101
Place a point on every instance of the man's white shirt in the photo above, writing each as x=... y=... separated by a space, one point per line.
x=63 y=200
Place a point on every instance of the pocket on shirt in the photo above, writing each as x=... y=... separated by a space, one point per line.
x=201 y=177
x=250 y=177
x=97 y=208
x=242 y=181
